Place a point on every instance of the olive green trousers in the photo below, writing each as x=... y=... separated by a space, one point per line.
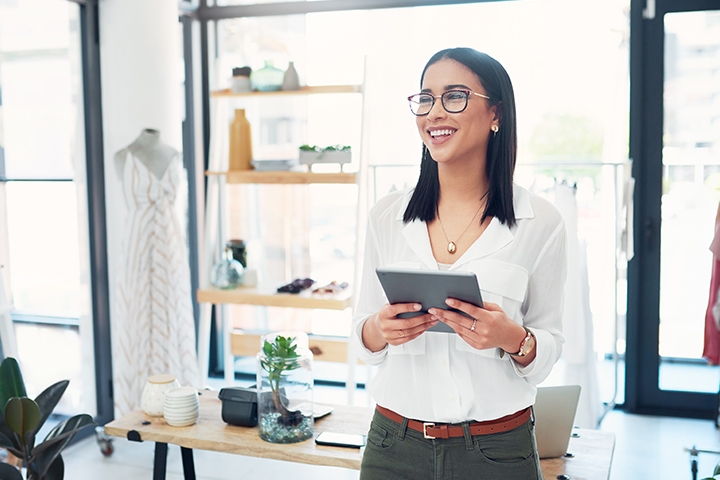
x=395 y=452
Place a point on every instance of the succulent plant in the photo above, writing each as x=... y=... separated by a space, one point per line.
x=281 y=356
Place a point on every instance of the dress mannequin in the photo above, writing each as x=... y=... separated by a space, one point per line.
x=149 y=150
x=153 y=329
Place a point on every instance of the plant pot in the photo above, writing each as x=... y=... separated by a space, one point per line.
x=329 y=156
x=285 y=401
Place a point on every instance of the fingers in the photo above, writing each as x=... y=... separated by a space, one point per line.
x=492 y=307
x=398 y=330
x=468 y=308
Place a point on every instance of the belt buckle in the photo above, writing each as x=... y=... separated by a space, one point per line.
x=425 y=427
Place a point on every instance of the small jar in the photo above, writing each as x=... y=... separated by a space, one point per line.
x=239 y=251
x=240 y=81
x=153 y=394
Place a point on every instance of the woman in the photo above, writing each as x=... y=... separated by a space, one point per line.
x=464 y=214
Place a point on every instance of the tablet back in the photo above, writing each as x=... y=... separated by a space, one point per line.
x=430 y=288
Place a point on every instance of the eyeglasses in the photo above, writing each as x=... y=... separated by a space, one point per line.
x=453 y=101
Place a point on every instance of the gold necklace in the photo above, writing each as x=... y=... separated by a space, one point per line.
x=452 y=246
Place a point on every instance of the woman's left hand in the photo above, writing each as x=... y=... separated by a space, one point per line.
x=487 y=327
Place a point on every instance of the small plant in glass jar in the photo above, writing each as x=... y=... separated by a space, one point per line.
x=284 y=391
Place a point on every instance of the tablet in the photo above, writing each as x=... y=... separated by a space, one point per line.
x=430 y=288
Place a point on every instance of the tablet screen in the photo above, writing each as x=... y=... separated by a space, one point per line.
x=430 y=288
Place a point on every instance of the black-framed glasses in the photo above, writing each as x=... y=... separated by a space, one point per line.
x=453 y=101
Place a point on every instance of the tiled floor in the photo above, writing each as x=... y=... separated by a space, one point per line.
x=646 y=448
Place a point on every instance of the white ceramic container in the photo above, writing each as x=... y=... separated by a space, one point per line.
x=152 y=401
x=181 y=407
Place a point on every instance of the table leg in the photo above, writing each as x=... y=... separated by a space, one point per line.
x=204 y=341
x=160 y=461
x=188 y=463
x=229 y=358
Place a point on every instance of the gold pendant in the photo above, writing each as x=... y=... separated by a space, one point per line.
x=452 y=248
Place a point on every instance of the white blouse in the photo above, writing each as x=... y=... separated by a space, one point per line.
x=438 y=377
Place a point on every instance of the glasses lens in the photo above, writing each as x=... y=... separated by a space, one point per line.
x=455 y=101
x=421 y=103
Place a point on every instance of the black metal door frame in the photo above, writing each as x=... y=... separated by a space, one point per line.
x=642 y=391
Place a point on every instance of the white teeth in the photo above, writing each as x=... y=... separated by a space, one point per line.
x=437 y=133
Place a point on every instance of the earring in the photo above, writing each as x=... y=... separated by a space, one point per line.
x=494 y=128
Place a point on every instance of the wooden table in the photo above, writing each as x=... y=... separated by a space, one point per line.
x=592 y=449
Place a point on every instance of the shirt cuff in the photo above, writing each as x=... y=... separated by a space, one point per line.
x=365 y=355
x=545 y=357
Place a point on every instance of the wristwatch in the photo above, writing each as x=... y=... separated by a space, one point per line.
x=527 y=344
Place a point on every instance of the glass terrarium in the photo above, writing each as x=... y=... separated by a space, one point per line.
x=285 y=388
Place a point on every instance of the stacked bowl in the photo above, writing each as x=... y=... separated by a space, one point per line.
x=182 y=406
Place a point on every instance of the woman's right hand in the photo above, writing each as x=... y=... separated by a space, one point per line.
x=385 y=328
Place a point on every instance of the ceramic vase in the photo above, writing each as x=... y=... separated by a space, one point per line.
x=268 y=78
x=291 y=81
x=240 y=142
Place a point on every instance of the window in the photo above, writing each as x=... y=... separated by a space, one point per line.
x=44 y=244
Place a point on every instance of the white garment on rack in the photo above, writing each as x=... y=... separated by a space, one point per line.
x=153 y=327
x=578 y=358
x=626 y=215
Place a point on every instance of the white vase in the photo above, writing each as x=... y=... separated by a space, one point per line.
x=291 y=81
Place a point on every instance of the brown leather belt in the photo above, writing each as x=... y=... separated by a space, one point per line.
x=432 y=431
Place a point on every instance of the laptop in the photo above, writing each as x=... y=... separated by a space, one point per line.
x=555 y=409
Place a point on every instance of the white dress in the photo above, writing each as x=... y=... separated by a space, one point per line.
x=153 y=327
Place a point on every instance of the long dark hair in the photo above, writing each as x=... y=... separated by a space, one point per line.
x=501 y=149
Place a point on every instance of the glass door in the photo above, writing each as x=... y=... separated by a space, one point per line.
x=674 y=286
x=691 y=191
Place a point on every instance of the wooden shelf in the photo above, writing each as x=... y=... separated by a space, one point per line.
x=285 y=177
x=306 y=90
x=268 y=298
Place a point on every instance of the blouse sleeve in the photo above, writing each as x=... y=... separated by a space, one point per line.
x=543 y=307
x=370 y=298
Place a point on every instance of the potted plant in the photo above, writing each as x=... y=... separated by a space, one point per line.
x=310 y=154
x=284 y=391
x=716 y=473
x=20 y=420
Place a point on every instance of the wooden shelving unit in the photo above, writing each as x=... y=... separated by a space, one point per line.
x=306 y=90
x=269 y=298
x=264 y=295
x=284 y=177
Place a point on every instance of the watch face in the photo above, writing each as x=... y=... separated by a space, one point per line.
x=528 y=344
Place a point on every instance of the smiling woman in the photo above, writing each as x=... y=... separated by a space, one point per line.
x=514 y=241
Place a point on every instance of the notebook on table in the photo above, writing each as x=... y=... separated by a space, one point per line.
x=555 y=409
